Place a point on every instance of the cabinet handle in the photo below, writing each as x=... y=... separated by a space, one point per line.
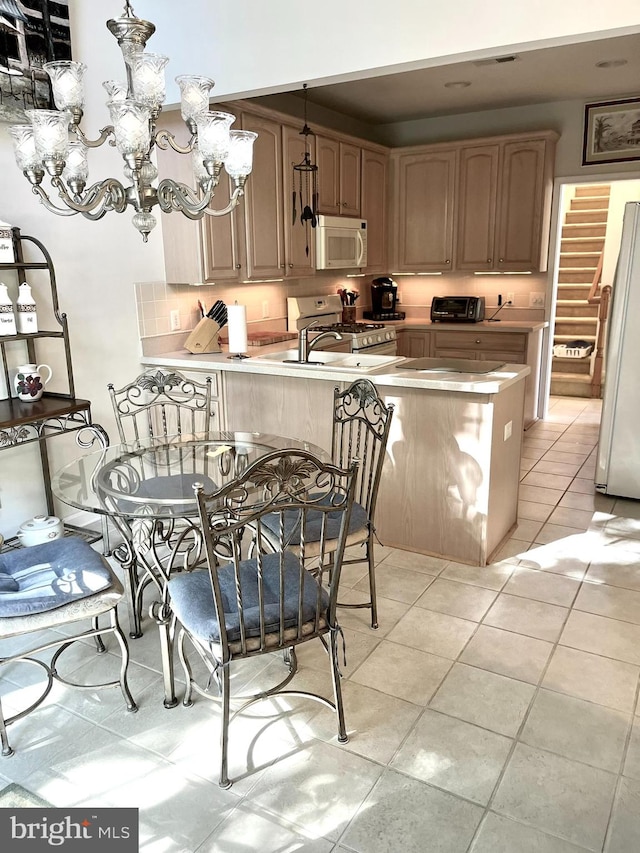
x=290 y=266
x=344 y=203
x=488 y=260
x=238 y=266
x=478 y=341
x=501 y=260
x=447 y=261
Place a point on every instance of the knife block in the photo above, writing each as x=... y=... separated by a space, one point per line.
x=204 y=338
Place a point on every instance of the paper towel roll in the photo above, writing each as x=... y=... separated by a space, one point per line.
x=237 y=323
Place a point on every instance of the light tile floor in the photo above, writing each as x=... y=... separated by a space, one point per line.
x=494 y=711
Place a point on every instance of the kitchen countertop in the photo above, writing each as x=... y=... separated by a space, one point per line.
x=502 y=326
x=489 y=383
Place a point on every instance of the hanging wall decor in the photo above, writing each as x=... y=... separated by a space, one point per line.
x=305 y=180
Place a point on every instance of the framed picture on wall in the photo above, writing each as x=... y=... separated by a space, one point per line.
x=32 y=32
x=611 y=132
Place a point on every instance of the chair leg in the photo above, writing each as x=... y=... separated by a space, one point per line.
x=337 y=687
x=372 y=582
x=124 y=665
x=224 y=730
x=100 y=646
x=4 y=737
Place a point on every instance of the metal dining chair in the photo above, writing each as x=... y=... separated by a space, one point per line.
x=361 y=423
x=257 y=596
x=49 y=588
x=159 y=403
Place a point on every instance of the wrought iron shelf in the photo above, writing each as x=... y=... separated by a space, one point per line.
x=25 y=265
x=85 y=533
x=31 y=336
x=45 y=412
x=55 y=413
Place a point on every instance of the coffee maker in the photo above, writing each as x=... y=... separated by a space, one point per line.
x=384 y=297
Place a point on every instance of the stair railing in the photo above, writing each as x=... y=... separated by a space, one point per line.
x=600 y=296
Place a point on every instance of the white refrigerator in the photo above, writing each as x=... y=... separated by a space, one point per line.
x=618 y=465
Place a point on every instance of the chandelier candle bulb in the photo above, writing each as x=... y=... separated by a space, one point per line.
x=27 y=319
x=237 y=323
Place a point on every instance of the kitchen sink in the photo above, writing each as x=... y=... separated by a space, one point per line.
x=353 y=362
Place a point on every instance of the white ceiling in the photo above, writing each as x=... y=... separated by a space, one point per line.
x=536 y=76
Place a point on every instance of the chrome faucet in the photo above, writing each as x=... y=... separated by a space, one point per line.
x=305 y=346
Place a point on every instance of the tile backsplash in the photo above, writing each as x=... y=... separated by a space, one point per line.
x=267 y=302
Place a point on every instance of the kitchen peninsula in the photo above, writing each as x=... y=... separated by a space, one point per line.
x=450 y=482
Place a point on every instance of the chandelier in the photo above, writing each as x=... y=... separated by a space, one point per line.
x=54 y=144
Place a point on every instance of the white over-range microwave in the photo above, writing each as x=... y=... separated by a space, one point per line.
x=341 y=243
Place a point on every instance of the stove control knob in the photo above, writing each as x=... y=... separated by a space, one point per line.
x=379 y=339
x=368 y=341
x=387 y=336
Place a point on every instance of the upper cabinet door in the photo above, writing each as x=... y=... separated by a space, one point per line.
x=521 y=206
x=299 y=236
x=477 y=193
x=425 y=190
x=374 y=208
x=338 y=177
x=328 y=154
x=349 y=180
x=262 y=203
x=223 y=258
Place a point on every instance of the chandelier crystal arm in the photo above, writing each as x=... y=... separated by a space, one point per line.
x=105 y=133
x=46 y=201
x=233 y=202
x=165 y=139
x=173 y=195
x=108 y=193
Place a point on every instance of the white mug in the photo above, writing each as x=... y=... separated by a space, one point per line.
x=29 y=383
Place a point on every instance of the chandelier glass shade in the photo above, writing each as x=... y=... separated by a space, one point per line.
x=54 y=144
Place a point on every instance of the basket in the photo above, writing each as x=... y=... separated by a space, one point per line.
x=573 y=349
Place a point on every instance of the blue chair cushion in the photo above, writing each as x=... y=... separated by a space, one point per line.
x=47 y=576
x=313 y=526
x=191 y=598
x=164 y=488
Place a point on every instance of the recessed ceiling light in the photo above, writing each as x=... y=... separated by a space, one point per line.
x=610 y=63
x=457 y=84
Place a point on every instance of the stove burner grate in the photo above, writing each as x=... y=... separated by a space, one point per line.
x=348 y=328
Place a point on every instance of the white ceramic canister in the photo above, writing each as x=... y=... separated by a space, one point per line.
x=29 y=382
x=7 y=315
x=40 y=529
x=26 y=318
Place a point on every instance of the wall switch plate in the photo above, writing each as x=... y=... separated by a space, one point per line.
x=536 y=300
x=508 y=428
x=265 y=309
x=511 y=297
x=174 y=320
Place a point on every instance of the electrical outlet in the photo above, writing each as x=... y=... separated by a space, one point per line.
x=265 y=309
x=511 y=297
x=508 y=429
x=536 y=300
x=174 y=320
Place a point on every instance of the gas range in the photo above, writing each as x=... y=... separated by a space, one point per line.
x=362 y=336
x=325 y=313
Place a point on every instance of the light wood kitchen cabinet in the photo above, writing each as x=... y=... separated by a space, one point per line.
x=414 y=343
x=479 y=205
x=512 y=347
x=338 y=177
x=522 y=227
x=262 y=207
x=477 y=196
x=373 y=208
x=299 y=237
x=425 y=194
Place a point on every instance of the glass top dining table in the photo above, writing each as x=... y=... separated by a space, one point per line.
x=156 y=476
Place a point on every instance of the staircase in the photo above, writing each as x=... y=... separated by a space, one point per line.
x=582 y=243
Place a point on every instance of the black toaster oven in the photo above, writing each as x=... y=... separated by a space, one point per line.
x=457 y=309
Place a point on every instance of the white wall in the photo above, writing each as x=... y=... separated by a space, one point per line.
x=250 y=47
